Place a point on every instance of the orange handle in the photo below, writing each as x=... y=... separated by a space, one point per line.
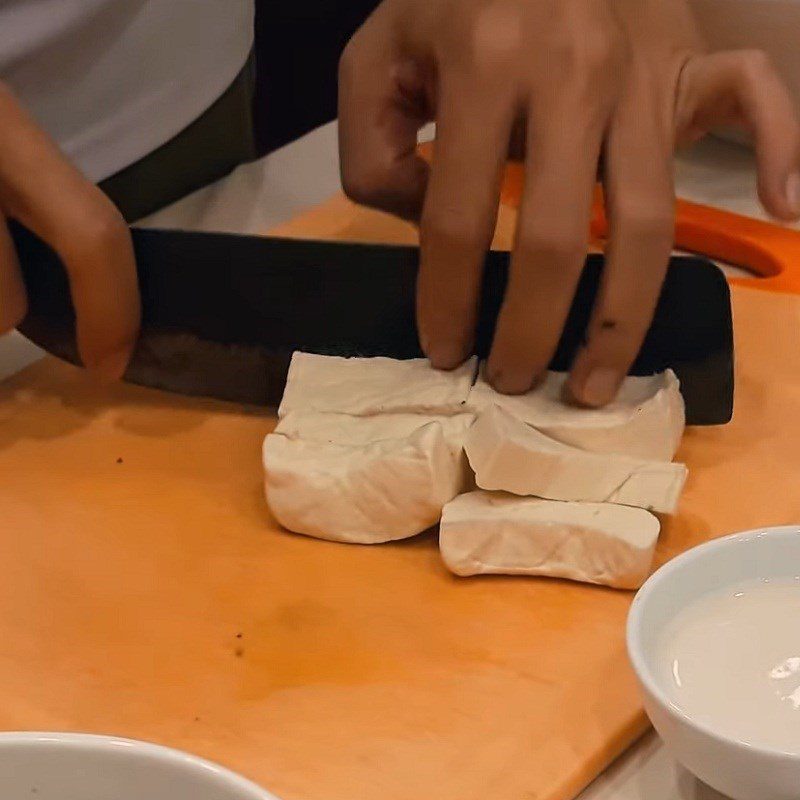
x=770 y=251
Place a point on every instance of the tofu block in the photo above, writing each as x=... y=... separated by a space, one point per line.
x=318 y=426
x=362 y=493
x=367 y=386
x=507 y=454
x=498 y=533
x=645 y=421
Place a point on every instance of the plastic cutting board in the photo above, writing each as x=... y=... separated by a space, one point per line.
x=147 y=592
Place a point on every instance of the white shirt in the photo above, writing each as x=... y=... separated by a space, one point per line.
x=112 y=80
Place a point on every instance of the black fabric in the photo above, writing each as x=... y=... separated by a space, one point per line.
x=205 y=151
x=288 y=88
x=298 y=44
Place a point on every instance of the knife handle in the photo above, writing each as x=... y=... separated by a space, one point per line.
x=771 y=252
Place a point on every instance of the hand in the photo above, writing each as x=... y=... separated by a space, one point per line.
x=44 y=192
x=673 y=92
x=621 y=79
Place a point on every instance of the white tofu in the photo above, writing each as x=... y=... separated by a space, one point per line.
x=645 y=421
x=511 y=456
x=497 y=533
x=366 y=386
x=318 y=426
x=362 y=493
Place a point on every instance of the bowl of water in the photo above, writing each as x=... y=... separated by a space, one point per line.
x=68 y=766
x=714 y=639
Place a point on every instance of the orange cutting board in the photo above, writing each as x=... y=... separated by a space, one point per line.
x=146 y=591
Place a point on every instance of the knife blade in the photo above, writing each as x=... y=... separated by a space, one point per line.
x=222 y=313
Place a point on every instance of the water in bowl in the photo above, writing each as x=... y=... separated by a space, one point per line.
x=731 y=661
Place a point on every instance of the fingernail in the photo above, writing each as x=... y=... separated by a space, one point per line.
x=111 y=366
x=793 y=191
x=600 y=387
x=447 y=355
x=510 y=382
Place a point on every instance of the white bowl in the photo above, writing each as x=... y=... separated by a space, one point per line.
x=68 y=766
x=741 y=771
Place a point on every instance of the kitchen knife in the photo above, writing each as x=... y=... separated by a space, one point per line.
x=222 y=313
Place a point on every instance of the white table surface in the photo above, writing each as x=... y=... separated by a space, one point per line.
x=265 y=193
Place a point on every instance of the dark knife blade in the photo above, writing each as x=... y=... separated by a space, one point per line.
x=223 y=313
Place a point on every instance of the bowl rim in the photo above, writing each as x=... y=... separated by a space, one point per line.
x=150 y=750
x=634 y=627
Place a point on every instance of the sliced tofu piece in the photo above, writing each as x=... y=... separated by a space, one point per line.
x=366 y=386
x=507 y=454
x=498 y=533
x=645 y=421
x=362 y=493
x=318 y=426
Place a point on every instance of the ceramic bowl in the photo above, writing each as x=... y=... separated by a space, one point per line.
x=738 y=770
x=67 y=766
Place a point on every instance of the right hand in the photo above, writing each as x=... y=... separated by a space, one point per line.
x=44 y=192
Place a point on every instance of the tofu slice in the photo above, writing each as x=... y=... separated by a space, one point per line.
x=363 y=493
x=367 y=386
x=646 y=420
x=317 y=426
x=497 y=533
x=509 y=455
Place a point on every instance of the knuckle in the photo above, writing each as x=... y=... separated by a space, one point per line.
x=363 y=184
x=595 y=54
x=755 y=63
x=496 y=38
x=452 y=227
x=646 y=220
x=600 y=51
x=553 y=245
x=102 y=229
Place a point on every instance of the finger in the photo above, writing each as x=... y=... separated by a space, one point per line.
x=459 y=217
x=382 y=106
x=743 y=88
x=13 y=302
x=564 y=143
x=41 y=189
x=640 y=204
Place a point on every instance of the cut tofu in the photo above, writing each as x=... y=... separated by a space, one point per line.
x=366 y=386
x=362 y=493
x=497 y=533
x=645 y=421
x=509 y=455
x=316 y=426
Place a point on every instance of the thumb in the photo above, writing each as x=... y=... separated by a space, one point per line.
x=742 y=88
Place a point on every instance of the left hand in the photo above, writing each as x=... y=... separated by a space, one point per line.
x=675 y=94
x=663 y=90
